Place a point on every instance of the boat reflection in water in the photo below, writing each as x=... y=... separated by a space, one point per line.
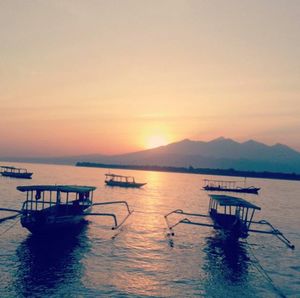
x=51 y=265
x=227 y=265
x=227 y=256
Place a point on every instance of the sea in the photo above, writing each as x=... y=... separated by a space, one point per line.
x=142 y=259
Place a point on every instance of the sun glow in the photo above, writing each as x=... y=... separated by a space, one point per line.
x=156 y=141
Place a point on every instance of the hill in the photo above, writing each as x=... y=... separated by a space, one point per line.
x=220 y=153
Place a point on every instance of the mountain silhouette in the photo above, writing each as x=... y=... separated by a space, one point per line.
x=221 y=153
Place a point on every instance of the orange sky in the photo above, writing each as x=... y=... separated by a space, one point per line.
x=80 y=77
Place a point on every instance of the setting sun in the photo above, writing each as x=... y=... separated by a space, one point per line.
x=156 y=141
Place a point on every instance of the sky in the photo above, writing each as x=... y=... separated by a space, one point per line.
x=110 y=77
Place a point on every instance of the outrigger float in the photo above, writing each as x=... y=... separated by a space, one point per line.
x=232 y=215
x=122 y=181
x=228 y=186
x=55 y=208
x=15 y=172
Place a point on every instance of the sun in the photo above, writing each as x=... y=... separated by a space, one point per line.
x=156 y=141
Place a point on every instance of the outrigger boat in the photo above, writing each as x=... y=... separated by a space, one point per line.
x=228 y=186
x=15 y=172
x=55 y=208
x=122 y=181
x=231 y=215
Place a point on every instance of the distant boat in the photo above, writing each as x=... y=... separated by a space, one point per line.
x=229 y=186
x=59 y=208
x=122 y=181
x=15 y=172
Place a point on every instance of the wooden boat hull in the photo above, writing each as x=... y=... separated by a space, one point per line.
x=231 y=225
x=17 y=175
x=252 y=190
x=124 y=184
x=53 y=221
x=53 y=226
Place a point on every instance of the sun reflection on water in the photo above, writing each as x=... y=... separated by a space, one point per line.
x=140 y=259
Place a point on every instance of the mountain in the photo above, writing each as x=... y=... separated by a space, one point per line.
x=221 y=153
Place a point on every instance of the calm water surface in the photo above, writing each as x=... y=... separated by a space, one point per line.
x=140 y=260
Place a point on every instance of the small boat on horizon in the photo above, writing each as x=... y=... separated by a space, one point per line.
x=122 y=181
x=14 y=172
x=52 y=209
x=228 y=186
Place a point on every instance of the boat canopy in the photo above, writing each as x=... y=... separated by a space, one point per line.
x=61 y=188
x=224 y=200
x=221 y=181
x=118 y=176
x=12 y=168
x=8 y=168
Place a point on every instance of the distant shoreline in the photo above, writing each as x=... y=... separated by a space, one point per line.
x=191 y=170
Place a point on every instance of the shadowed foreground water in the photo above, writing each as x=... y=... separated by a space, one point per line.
x=140 y=260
